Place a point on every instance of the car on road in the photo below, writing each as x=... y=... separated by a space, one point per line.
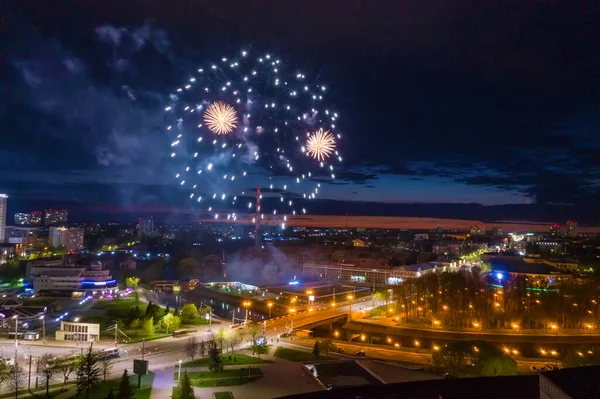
x=340 y=350
x=361 y=353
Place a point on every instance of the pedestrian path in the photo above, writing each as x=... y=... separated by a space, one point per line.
x=163 y=384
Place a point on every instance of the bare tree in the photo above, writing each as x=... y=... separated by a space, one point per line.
x=4 y=372
x=254 y=330
x=202 y=348
x=66 y=367
x=191 y=348
x=105 y=366
x=48 y=369
x=234 y=336
x=16 y=381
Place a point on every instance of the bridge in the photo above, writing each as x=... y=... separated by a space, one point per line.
x=307 y=324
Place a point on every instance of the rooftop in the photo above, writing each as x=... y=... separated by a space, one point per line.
x=577 y=382
x=518 y=265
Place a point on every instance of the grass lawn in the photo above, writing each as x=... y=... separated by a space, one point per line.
x=197 y=321
x=224 y=378
x=119 y=306
x=294 y=355
x=231 y=373
x=239 y=359
x=101 y=390
x=223 y=395
x=38 y=393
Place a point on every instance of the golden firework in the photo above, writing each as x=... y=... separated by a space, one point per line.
x=320 y=144
x=220 y=118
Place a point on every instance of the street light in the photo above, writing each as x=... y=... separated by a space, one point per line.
x=179 y=374
x=43 y=319
x=246 y=304
x=555 y=328
x=292 y=311
x=350 y=298
x=270 y=305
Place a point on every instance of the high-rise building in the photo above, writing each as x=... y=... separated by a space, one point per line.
x=28 y=219
x=70 y=238
x=571 y=229
x=3 y=198
x=555 y=230
x=497 y=232
x=55 y=217
x=145 y=227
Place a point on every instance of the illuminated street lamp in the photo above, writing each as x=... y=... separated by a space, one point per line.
x=350 y=298
x=270 y=305
x=292 y=311
x=246 y=304
x=555 y=328
x=43 y=319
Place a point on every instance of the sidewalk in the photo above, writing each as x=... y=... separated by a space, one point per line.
x=162 y=387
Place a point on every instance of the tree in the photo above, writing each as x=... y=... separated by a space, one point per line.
x=16 y=381
x=66 y=367
x=328 y=346
x=260 y=348
x=105 y=364
x=187 y=267
x=316 y=349
x=168 y=309
x=4 y=372
x=110 y=394
x=88 y=374
x=191 y=347
x=451 y=357
x=185 y=387
x=233 y=338
x=125 y=390
x=189 y=312
x=170 y=322
x=132 y=282
x=202 y=348
x=148 y=326
x=582 y=356
x=48 y=369
x=254 y=330
x=221 y=336
x=214 y=354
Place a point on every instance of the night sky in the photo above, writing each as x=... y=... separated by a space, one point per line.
x=450 y=109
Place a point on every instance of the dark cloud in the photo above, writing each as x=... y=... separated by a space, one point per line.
x=480 y=98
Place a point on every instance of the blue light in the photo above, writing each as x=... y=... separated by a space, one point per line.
x=499 y=276
x=293 y=282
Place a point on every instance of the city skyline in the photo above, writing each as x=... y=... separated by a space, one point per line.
x=446 y=123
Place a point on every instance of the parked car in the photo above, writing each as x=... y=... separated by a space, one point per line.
x=361 y=353
x=340 y=350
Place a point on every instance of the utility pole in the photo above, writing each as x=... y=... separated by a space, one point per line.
x=116 y=333
x=143 y=342
x=16 y=353
x=29 y=381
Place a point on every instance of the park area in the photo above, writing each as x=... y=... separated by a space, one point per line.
x=139 y=321
x=227 y=360
x=295 y=355
x=101 y=390
x=223 y=378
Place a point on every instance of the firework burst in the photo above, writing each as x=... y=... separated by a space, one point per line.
x=257 y=112
x=220 y=118
x=320 y=145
